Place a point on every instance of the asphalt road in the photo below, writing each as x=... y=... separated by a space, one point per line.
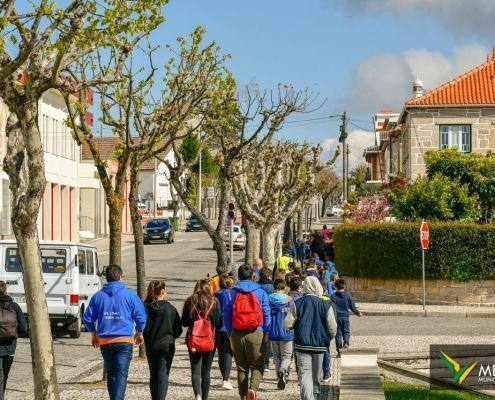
x=190 y=258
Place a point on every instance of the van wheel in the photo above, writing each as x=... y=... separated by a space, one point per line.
x=75 y=328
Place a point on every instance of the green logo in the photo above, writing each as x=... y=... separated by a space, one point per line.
x=458 y=374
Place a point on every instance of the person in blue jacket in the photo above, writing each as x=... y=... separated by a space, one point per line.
x=249 y=347
x=280 y=338
x=222 y=340
x=116 y=319
x=343 y=304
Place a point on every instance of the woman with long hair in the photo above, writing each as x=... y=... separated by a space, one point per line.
x=201 y=305
x=162 y=328
x=222 y=339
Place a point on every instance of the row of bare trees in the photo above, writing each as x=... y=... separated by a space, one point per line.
x=93 y=45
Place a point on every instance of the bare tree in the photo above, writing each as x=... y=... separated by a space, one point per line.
x=328 y=187
x=274 y=184
x=45 y=41
x=236 y=126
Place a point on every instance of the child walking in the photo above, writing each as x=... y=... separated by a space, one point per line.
x=343 y=304
x=163 y=326
x=280 y=338
x=222 y=339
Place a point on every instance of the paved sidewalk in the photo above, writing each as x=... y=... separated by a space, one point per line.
x=102 y=244
x=88 y=385
x=413 y=310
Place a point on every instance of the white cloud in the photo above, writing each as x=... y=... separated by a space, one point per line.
x=459 y=17
x=385 y=80
x=358 y=140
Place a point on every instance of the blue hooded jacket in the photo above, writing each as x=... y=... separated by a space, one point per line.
x=223 y=296
x=115 y=310
x=246 y=287
x=279 y=306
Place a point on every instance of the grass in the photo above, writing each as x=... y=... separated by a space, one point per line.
x=400 y=391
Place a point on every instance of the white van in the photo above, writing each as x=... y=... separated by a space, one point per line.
x=71 y=276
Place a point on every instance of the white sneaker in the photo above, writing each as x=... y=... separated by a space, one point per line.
x=198 y=397
x=227 y=385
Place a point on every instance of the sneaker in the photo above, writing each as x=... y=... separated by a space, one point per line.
x=251 y=395
x=282 y=381
x=227 y=385
x=346 y=346
x=326 y=378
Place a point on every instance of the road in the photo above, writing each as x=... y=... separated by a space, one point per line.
x=191 y=258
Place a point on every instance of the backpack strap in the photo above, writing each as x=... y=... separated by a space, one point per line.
x=209 y=309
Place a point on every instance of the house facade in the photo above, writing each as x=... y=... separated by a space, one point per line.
x=458 y=114
x=58 y=218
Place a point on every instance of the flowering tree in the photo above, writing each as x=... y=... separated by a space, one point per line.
x=370 y=209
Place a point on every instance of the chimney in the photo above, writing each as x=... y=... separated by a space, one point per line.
x=417 y=88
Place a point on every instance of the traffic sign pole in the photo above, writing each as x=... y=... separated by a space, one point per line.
x=424 y=283
x=424 y=235
x=231 y=242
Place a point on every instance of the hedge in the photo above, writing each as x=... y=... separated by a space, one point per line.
x=458 y=251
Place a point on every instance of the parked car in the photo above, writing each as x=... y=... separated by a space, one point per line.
x=158 y=229
x=335 y=211
x=193 y=224
x=71 y=275
x=239 y=238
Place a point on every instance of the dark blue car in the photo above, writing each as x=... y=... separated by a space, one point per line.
x=158 y=230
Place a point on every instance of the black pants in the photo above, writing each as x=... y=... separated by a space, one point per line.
x=5 y=365
x=224 y=354
x=200 y=372
x=160 y=363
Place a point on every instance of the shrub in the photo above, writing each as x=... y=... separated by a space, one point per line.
x=436 y=198
x=370 y=209
x=458 y=250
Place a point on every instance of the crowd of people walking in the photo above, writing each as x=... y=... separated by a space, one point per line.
x=290 y=314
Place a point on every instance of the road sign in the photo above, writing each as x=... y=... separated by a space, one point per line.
x=425 y=235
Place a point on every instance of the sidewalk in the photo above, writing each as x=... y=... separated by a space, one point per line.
x=416 y=310
x=88 y=385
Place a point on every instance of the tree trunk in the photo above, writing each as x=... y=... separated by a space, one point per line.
x=287 y=229
x=269 y=242
x=299 y=224
x=324 y=201
x=115 y=227
x=137 y=231
x=252 y=244
x=24 y=162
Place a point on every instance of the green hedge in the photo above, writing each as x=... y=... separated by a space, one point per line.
x=459 y=251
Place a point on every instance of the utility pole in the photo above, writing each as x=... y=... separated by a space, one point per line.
x=345 y=154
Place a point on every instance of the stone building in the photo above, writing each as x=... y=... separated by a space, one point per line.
x=458 y=114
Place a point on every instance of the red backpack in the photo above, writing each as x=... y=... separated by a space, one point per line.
x=246 y=312
x=201 y=337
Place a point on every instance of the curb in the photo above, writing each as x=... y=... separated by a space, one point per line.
x=428 y=314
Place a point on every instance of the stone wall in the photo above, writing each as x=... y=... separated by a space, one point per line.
x=422 y=133
x=409 y=291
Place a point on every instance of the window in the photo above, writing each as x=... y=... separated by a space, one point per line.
x=81 y=258
x=90 y=262
x=455 y=136
x=52 y=260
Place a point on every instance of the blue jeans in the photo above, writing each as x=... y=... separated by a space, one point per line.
x=117 y=358
x=326 y=362
x=343 y=331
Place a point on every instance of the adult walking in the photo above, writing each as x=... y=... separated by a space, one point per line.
x=222 y=339
x=314 y=324
x=116 y=319
x=12 y=323
x=318 y=246
x=163 y=326
x=247 y=319
x=201 y=315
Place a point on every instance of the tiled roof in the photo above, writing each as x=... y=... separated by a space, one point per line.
x=476 y=87
x=107 y=151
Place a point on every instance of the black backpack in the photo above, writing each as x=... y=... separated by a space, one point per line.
x=8 y=323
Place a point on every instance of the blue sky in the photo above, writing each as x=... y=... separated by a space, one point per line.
x=337 y=48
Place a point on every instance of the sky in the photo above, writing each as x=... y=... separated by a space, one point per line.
x=358 y=55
